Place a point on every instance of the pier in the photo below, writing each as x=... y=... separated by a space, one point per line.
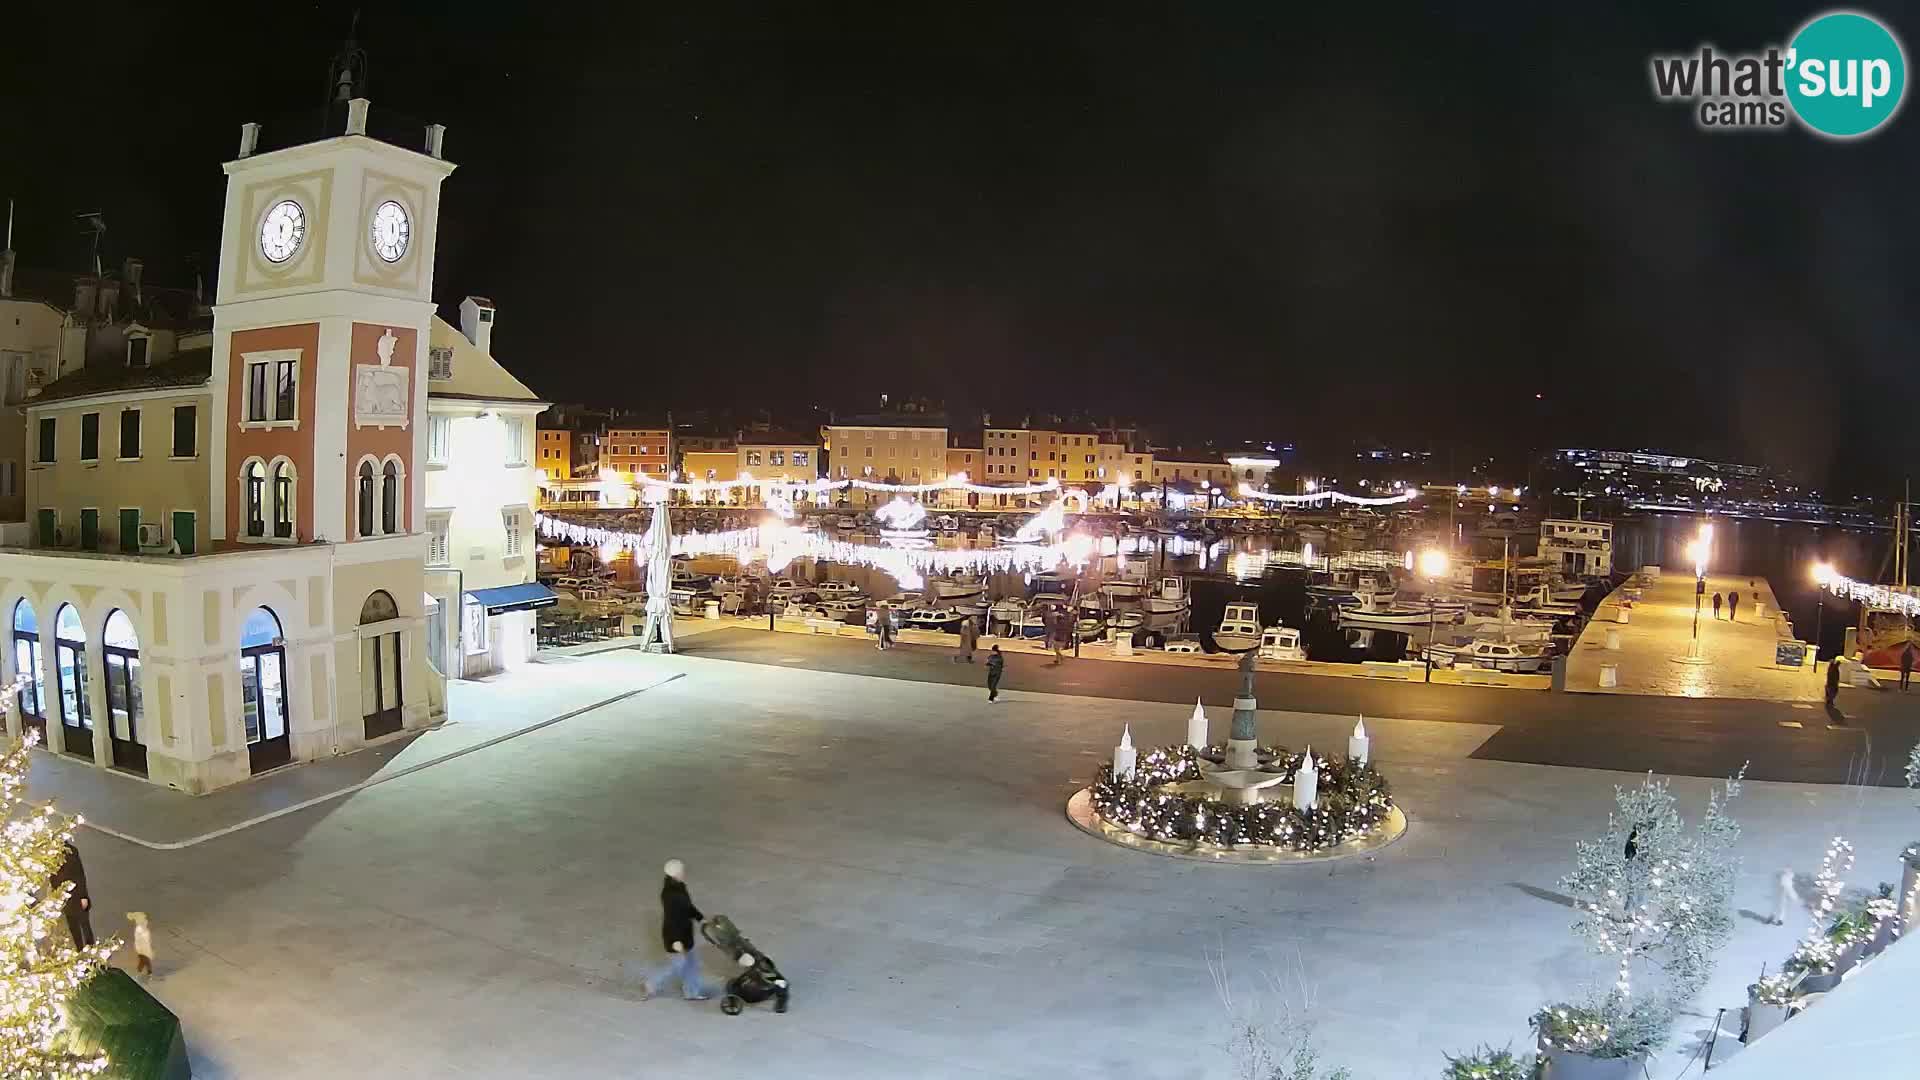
x=1736 y=655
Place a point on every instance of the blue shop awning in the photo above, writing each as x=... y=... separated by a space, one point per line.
x=513 y=597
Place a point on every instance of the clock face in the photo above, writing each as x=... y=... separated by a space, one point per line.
x=282 y=231
x=390 y=230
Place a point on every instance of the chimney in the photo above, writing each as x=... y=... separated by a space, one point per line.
x=249 y=138
x=436 y=139
x=357 y=115
x=476 y=321
x=86 y=288
x=130 y=272
x=109 y=298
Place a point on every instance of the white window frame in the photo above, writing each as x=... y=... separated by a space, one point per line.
x=516 y=427
x=439 y=538
x=439 y=439
x=799 y=458
x=271 y=359
x=511 y=523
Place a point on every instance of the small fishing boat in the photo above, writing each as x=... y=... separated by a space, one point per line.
x=1008 y=609
x=1123 y=592
x=1239 y=629
x=1281 y=643
x=1125 y=622
x=1516 y=656
x=844 y=607
x=1183 y=644
x=957 y=587
x=1169 y=597
x=1369 y=612
x=829 y=590
x=934 y=618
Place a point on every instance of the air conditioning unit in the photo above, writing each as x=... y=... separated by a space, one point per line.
x=150 y=536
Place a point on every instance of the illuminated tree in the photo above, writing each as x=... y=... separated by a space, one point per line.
x=40 y=967
x=1655 y=894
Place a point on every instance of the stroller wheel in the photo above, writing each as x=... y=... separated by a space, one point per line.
x=731 y=1005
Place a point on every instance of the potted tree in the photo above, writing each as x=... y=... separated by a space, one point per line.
x=1606 y=1039
x=1487 y=1063
x=1769 y=1002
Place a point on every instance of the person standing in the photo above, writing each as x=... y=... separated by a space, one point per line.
x=1785 y=897
x=968 y=637
x=1057 y=630
x=1733 y=605
x=1906 y=665
x=996 y=665
x=79 y=905
x=1833 y=680
x=677 y=919
x=882 y=625
x=1716 y=605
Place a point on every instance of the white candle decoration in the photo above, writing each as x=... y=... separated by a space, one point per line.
x=1197 y=727
x=1124 y=755
x=1358 y=743
x=1306 y=783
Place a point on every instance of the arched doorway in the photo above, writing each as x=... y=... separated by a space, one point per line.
x=380 y=696
x=26 y=663
x=70 y=669
x=120 y=648
x=263 y=691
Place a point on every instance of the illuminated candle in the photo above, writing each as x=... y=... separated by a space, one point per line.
x=1124 y=755
x=1197 y=727
x=1357 y=743
x=1306 y=783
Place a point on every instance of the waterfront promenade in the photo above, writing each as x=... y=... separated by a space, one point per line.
x=1737 y=654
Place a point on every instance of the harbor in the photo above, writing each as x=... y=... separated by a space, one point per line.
x=1645 y=638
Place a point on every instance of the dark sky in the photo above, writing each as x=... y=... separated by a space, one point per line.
x=1365 y=221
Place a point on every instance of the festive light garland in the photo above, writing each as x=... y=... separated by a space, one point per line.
x=954 y=482
x=1879 y=596
x=1247 y=491
x=1818 y=951
x=1353 y=800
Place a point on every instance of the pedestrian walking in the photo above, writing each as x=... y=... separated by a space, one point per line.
x=968 y=636
x=142 y=942
x=882 y=626
x=1785 y=896
x=1906 y=665
x=1733 y=605
x=677 y=919
x=79 y=905
x=1833 y=680
x=996 y=665
x=1057 y=629
x=1716 y=605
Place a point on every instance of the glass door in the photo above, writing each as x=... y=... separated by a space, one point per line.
x=26 y=659
x=380 y=684
x=123 y=711
x=76 y=721
x=263 y=693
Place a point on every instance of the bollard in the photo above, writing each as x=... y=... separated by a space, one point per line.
x=1613 y=639
x=1123 y=644
x=713 y=610
x=1621 y=615
x=1609 y=675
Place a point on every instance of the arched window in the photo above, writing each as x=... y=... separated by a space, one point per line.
x=120 y=652
x=283 y=480
x=254 y=480
x=378 y=608
x=366 y=499
x=390 y=498
x=70 y=669
x=26 y=663
x=263 y=691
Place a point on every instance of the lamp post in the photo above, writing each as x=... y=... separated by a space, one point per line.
x=1698 y=551
x=1822 y=573
x=1433 y=566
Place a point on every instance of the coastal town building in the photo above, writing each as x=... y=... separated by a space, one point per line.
x=225 y=571
x=636 y=451
x=481 y=490
x=905 y=448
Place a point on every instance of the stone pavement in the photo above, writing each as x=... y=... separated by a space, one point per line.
x=901 y=849
x=1739 y=652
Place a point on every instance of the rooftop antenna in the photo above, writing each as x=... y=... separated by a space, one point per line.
x=93 y=225
x=347 y=74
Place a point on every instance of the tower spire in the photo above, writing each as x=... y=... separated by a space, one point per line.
x=347 y=74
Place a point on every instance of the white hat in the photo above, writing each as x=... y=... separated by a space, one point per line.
x=676 y=869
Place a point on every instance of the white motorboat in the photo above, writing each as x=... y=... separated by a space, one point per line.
x=1123 y=592
x=1169 y=597
x=934 y=618
x=1504 y=627
x=1009 y=610
x=1517 y=656
x=830 y=590
x=1050 y=581
x=1281 y=643
x=1239 y=629
x=1369 y=612
x=957 y=587
x=1183 y=645
x=1125 y=622
x=845 y=607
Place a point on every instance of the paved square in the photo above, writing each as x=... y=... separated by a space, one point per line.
x=901 y=849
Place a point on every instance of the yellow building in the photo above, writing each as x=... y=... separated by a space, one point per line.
x=900 y=450
x=710 y=465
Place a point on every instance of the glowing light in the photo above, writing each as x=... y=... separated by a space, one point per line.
x=1493 y=491
x=1823 y=572
x=1434 y=563
x=1247 y=492
x=1312 y=486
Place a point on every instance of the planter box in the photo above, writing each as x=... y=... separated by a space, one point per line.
x=1566 y=1065
x=141 y=1038
x=1820 y=984
x=1762 y=1019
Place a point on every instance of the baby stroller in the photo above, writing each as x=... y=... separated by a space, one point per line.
x=758 y=979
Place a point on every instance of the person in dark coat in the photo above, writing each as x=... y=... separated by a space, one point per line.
x=1833 y=680
x=1733 y=605
x=1716 y=605
x=678 y=917
x=79 y=909
x=1906 y=666
x=996 y=665
x=969 y=634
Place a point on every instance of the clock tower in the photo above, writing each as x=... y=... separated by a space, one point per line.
x=320 y=326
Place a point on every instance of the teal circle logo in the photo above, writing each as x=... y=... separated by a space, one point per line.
x=1846 y=74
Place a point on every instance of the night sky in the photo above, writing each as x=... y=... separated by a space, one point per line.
x=1363 y=223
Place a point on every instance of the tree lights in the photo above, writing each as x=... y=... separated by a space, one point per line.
x=1353 y=800
x=40 y=967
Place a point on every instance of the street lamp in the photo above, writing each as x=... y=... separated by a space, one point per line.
x=1698 y=551
x=1823 y=572
x=1433 y=566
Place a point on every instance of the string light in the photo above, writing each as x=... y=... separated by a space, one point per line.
x=954 y=482
x=1247 y=491
x=1877 y=596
